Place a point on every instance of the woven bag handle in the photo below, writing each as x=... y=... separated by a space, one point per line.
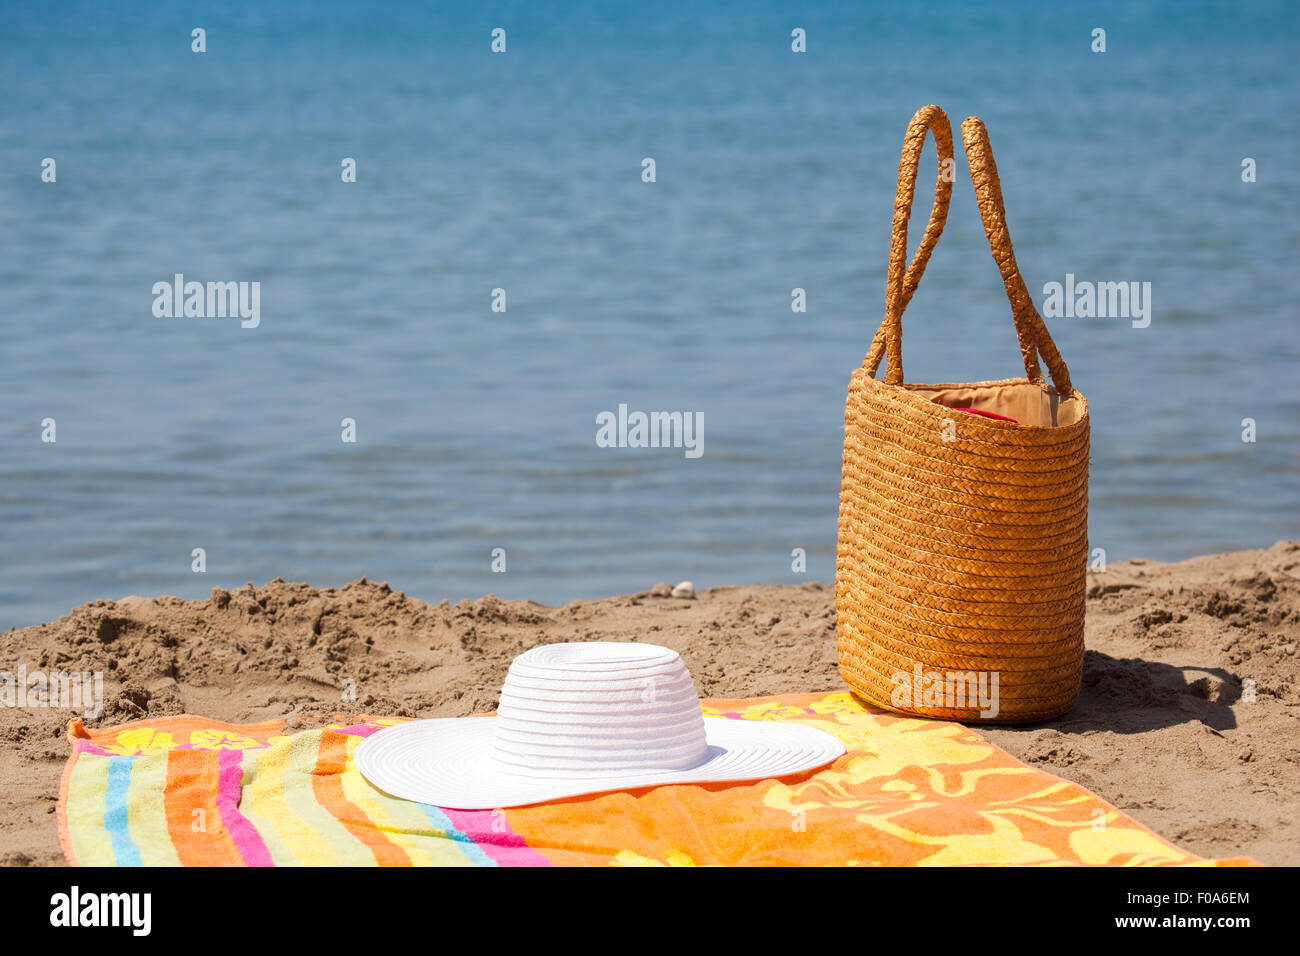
x=903 y=278
x=1030 y=328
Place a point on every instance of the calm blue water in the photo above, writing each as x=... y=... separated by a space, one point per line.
x=476 y=430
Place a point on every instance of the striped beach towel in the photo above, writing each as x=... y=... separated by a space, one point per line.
x=185 y=791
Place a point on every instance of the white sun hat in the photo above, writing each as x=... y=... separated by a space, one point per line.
x=584 y=718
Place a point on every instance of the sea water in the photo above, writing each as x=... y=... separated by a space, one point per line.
x=501 y=272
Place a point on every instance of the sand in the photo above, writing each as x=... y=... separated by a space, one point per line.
x=1166 y=727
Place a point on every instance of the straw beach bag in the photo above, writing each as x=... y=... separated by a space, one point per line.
x=960 y=570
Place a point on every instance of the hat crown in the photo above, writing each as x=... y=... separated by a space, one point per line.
x=592 y=709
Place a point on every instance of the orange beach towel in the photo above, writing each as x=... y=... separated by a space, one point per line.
x=185 y=791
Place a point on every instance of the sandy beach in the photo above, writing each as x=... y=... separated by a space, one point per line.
x=1169 y=727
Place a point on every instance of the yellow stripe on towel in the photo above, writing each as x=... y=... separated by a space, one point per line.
x=147 y=814
x=289 y=840
x=85 y=814
x=406 y=824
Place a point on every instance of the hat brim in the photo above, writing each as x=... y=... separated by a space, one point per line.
x=447 y=762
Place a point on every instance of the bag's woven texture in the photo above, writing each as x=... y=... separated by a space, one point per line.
x=962 y=539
